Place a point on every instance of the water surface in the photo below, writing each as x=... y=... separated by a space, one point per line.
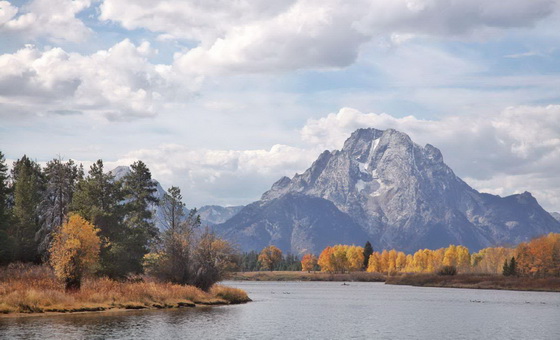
x=320 y=310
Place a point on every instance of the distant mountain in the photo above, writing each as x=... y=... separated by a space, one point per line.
x=384 y=188
x=215 y=214
x=209 y=214
x=556 y=215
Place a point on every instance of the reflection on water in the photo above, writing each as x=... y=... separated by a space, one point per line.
x=320 y=310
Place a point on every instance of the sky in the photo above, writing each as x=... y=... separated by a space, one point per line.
x=222 y=98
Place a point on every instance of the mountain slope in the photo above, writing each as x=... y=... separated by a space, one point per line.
x=401 y=195
x=215 y=214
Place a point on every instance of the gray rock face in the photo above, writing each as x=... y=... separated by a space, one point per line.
x=215 y=214
x=556 y=215
x=401 y=195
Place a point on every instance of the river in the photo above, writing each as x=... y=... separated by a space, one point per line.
x=320 y=310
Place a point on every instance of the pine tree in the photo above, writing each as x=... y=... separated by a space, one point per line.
x=98 y=199
x=28 y=186
x=139 y=189
x=512 y=267
x=368 y=250
x=61 y=179
x=5 y=240
x=177 y=238
x=506 y=269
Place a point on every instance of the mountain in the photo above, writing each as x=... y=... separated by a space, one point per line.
x=384 y=188
x=215 y=214
x=556 y=215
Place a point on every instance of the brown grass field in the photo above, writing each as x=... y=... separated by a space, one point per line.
x=305 y=276
x=34 y=289
x=477 y=281
x=472 y=281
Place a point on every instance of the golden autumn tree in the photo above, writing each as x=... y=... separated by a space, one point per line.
x=374 y=263
x=401 y=261
x=326 y=260
x=463 y=258
x=75 y=251
x=450 y=256
x=355 y=257
x=270 y=257
x=308 y=262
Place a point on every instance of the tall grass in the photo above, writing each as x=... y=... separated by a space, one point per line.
x=35 y=289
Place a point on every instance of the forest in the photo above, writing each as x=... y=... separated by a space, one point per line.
x=92 y=224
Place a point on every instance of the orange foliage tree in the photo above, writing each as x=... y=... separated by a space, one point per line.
x=308 y=262
x=539 y=257
x=75 y=251
x=270 y=257
x=326 y=260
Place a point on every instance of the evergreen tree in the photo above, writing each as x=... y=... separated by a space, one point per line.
x=512 y=267
x=177 y=239
x=28 y=184
x=5 y=240
x=61 y=179
x=506 y=268
x=249 y=262
x=98 y=199
x=139 y=189
x=368 y=250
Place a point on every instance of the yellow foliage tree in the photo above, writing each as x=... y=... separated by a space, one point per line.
x=463 y=258
x=75 y=251
x=401 y=261
x=308 y=262
x=374 y=263
x=270 y=257
x=355 y=256
x=339 y=258
x=450 y=257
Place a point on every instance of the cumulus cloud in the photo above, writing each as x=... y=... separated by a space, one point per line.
x=511 y=151
x=515 y=150
x=54 y=19
x=117 y=83
x=221 y=176
x=258 y=36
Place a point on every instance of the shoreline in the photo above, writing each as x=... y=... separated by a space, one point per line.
x=465 y=281
x=119 y=309
x=35 y=291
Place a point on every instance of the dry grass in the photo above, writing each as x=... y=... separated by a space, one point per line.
x=34 y=289
x=305 y=276
x=477 y=281
x=231 y=295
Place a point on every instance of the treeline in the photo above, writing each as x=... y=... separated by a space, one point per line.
x=537 y=258
x=269 y=260
x=36 y=202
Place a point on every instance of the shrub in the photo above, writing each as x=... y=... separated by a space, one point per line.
x=448 y=270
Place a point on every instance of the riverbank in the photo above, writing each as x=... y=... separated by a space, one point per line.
x=35 y=290
x=306 y=276
x=477 y=281
x=471 y=281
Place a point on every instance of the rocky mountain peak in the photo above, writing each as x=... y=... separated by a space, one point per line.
x=402 y=195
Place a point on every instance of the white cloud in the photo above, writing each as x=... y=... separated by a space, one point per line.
x=118 y=83
x=54 y=19
x=220 y=176
x=263 y=36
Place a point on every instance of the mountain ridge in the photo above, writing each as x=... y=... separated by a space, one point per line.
x=401 y=194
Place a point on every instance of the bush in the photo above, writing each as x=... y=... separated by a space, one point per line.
x=448 y=270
